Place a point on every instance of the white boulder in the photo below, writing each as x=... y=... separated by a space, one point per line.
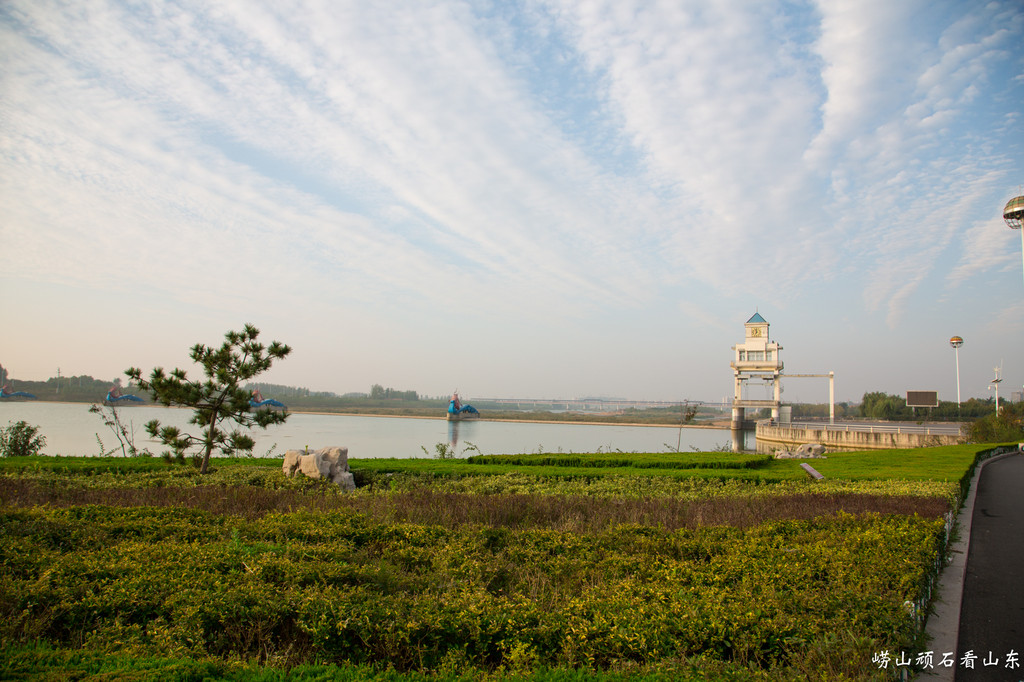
x=330 y=463
x=811 y=450
x=805 y=451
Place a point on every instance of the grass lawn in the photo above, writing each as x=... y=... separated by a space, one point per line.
x=948 y=463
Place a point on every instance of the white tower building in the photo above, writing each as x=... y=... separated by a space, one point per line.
x=757 y=357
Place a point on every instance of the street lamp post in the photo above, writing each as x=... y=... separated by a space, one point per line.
x=956 y=342
x=1013 y=214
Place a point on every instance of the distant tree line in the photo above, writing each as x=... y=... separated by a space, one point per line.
x=378 y=392
x=380 y=400
x=1006 y=427
x=75 y=389
x=821 y=410
x=281 y=391
x=886 y=407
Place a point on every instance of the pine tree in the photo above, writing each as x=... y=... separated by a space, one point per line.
x=219 y=398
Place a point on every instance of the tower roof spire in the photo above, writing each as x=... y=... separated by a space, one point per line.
x=757 y=319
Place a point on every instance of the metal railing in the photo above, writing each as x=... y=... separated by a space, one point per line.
x=951 y=429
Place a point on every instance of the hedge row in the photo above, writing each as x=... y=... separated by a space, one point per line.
x=337 y=587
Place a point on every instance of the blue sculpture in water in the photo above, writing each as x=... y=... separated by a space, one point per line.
x=5 y=392
x=257 y=400
x=114 y=396
x=455 y=407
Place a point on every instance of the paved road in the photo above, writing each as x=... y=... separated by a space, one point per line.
x=992 y=611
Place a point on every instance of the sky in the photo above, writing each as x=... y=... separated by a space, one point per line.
x=541 y=198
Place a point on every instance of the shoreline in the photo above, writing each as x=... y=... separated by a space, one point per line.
x=717 y=425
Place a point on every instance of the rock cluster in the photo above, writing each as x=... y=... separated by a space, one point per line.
x=805 y=451
x=330 y=463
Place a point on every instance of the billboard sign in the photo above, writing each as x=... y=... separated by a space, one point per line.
x=922 y=399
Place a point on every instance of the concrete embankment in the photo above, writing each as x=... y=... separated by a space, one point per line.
x=860 y=437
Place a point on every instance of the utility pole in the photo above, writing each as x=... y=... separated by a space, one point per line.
x=995 y=382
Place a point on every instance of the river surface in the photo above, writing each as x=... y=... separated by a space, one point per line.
x=70 y=429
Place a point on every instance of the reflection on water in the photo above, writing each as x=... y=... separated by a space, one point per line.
x=743 y=440
x=453 y=434
x=70 y=429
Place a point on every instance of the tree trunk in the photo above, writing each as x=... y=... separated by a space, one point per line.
x=209 y=442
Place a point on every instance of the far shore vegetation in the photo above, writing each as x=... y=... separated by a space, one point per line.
x=386 y=401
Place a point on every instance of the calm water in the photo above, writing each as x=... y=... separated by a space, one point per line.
x=70 y=429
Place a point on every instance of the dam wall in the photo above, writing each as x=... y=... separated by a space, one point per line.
x=839 y=437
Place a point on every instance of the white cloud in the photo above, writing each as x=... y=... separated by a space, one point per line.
x=494 y=167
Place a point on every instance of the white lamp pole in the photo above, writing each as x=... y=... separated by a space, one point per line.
x=1013 y=214
x=956 y=342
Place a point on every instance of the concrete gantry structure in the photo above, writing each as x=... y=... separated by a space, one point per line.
x=758 y=357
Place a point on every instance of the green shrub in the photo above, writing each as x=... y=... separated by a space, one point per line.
x=425 y=576
x=21 y=440
x=344 y=588
x=1006 y=427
